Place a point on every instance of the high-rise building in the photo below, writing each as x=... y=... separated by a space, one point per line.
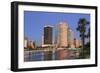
x=76 y=43
x=31 y=44
x=80 y=42
x=62 y=34
x=71 y=38
x=47 y=41
x=25 y=43
x=47 y=36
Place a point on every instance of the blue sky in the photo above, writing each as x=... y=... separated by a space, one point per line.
x=35 y=21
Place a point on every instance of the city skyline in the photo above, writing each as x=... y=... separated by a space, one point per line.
x=34 y=23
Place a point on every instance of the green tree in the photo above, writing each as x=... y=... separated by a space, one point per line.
x=88 y=35
x=88 y=43
x=82 y=23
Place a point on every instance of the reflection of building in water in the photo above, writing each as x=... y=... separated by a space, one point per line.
x=63 y=54
x=62 y=34
x=47 y=36
x=48 y=55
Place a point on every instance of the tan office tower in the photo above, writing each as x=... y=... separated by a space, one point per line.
x=62 y=35
x=71 y=38
x=77 y=43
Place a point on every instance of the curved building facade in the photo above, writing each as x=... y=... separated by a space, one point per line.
x=62 y=34
x=71 y=38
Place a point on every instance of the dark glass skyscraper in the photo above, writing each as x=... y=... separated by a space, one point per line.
x=47 y=41
x=48 y=35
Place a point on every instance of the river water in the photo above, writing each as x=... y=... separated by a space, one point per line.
x=49 y=55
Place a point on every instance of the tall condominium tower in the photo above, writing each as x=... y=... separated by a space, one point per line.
x=71 y=38
x=77 y=43
x=47 y=36
x=62 y=34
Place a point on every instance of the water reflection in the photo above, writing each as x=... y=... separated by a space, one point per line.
x=33 y=55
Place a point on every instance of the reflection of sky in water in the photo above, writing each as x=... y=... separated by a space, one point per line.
x=39 y=56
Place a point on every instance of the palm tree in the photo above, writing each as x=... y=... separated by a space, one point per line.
x=88 y=43
x=82 y=29
x=88 y=34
